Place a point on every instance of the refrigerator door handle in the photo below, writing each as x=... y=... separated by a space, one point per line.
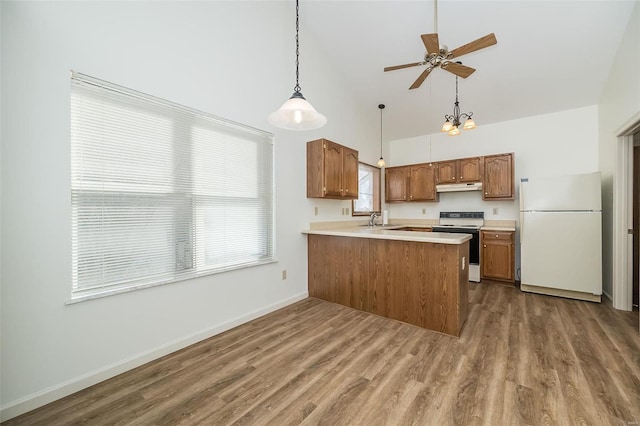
x=521 y=228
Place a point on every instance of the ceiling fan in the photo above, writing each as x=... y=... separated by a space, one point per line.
x=439 y=55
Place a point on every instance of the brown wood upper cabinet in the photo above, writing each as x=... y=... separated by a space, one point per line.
x=332 y=170
x=498 y=181
x=395 y=179
x=411 y=183
x=463 y=170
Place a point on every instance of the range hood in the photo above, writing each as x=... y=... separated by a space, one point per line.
x=459 y=187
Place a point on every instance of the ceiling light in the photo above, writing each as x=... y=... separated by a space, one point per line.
x=381 y=162
x=297 y=113
x=452 y=122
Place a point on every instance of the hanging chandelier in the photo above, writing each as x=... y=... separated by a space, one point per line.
x=452 y=122
x=381 y=162
x=297 y=113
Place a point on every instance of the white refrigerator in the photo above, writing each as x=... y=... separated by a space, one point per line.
x=561 y=236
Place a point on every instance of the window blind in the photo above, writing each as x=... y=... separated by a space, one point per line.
x=161 y=192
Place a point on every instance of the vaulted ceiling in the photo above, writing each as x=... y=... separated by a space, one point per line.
x=550 y=56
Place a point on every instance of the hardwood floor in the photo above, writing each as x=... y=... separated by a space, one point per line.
x=521 y=359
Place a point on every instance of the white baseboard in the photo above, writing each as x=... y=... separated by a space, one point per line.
x=53 y=393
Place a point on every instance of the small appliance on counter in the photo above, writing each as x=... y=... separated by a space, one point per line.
x=465 y=223
x=561 y=236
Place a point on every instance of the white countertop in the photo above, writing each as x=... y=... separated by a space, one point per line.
x=389 y=233
x=498 y=228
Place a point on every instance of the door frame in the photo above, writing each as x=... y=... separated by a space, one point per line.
x=623 y=215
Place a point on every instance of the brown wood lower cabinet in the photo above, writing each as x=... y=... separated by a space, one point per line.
x=497 y=255
x=415 y=282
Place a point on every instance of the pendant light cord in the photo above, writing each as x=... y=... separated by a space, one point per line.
x=297 y=89
x=381 y=107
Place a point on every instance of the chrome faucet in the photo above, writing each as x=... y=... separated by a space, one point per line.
x=373 y=218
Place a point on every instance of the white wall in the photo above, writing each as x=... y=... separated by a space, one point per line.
x=546 y=145
x=620 y=101
x=232 y=59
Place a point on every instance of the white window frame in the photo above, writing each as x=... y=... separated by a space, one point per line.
x=205 y=202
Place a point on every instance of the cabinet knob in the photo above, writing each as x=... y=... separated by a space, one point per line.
x=485 y=246
x=496 y=235
x=347 y=190
x=486 y=193
x=453 y=178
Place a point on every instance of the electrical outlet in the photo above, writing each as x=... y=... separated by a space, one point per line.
x=346 y=211
x=495 y=210
x=315 y=211
x=284 y=274
x=424 y=211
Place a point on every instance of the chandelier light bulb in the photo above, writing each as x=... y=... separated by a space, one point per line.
x=469 y=124
x=454 y=131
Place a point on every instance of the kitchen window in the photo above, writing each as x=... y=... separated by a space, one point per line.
x=368 y=191
x=161 y=192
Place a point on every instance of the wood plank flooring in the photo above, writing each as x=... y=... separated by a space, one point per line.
x=521 y=359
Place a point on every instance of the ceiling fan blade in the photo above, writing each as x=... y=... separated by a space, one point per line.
x=458 y=69
x=420 y=79
x=398 y=67
x=481 y=43
x=431 y=42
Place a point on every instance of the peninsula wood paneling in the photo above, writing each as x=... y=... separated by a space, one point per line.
x=339 y=270
x=418 y=283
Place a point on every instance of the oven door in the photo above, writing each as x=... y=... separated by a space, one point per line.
x=474 y=244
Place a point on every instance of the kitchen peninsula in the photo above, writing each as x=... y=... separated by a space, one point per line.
x=420 y=278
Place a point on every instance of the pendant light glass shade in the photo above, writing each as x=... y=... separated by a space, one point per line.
x=297 y=114
x=446 y=126
x=454 y=131
x=381 y=162
x=469 y=124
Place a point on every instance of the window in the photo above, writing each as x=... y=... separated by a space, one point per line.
x=161 y=192
x=368 y=191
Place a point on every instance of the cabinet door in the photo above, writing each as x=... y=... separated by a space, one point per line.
x=332 y=169
x=396 y=184
x=470 y=170
x=497 y=260
x=498 y=177
x=422 y=182
x=349 y=172
x=447 y=171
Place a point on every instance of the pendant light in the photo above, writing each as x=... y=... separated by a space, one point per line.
x=297 y=113
x=381 y=162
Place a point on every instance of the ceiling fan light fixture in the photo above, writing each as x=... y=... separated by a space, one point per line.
x=297 y=113
x=452 y=122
